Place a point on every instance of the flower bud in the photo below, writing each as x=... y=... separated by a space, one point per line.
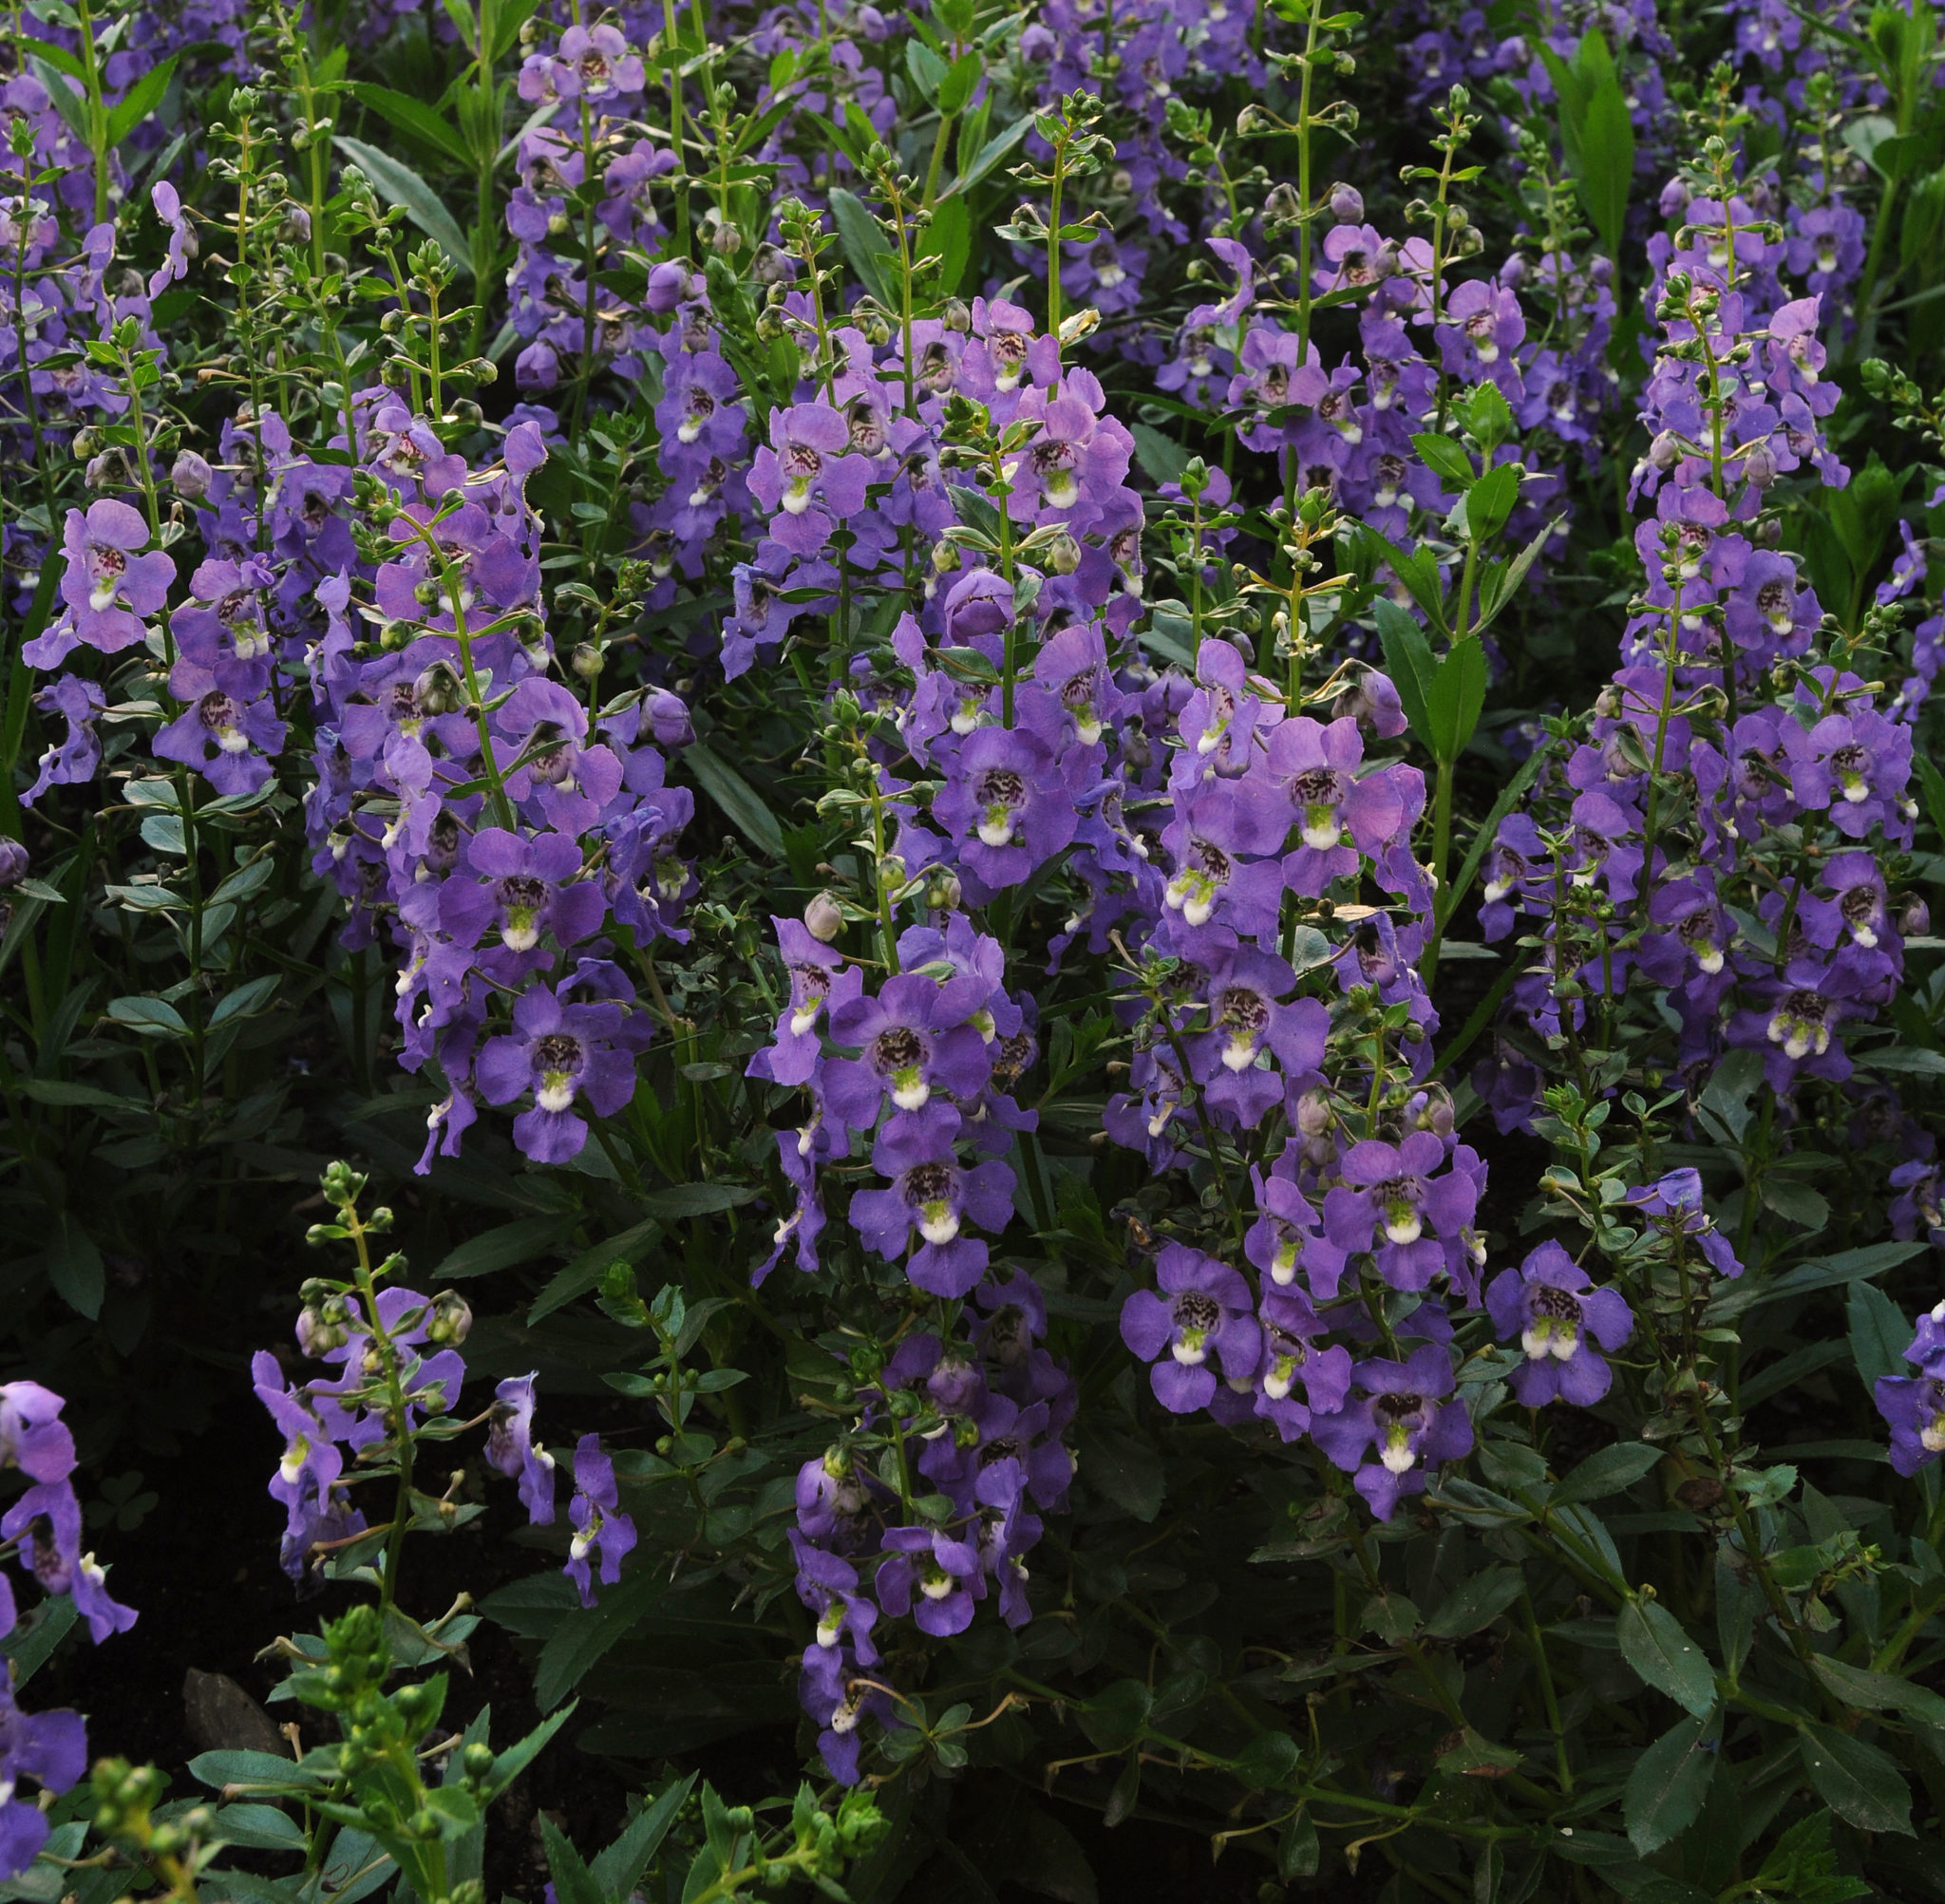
x=945 y=892
x=13 y=863
x=322 y=1328
x=1915 y=920
x=824 y=919
x=450 y=1318
x=587 y=660
x=1346 y=204
x=191 y=476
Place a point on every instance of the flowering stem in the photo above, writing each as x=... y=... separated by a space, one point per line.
x=395 y=1405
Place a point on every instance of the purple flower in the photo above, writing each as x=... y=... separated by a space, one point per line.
x=1318 y=766
x=564 y=1053
x=817 y=970
x=1388 y=1200
x=511 y=1447
x=598 y=1521
x=1204 y=1305
x=311 y=1464
x=1292 y=1363
x=108 y=589
x=525 y=887
x=49 y=1747
x=1550 y=1304
x=828 y=1585
x=1247 y=1028
x=75 y=758
x=905 y=1055
x=1675 y=1204
x=1007 y=805
x=946 y=1572
x=1856 y=764
x=32 y=1436
x=1914 y=1404
x=229 y=732
x=808 y=475
x=1402 y=1411
x=932 y=1194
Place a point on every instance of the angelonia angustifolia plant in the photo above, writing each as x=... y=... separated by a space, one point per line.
x=1108 y=829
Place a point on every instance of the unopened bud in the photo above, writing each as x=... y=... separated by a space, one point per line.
x=191 y=476
x=824 y=919
x=1346 y=204
x=451 y=1319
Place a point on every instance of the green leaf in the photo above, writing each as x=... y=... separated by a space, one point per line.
x=32 y=1642
x=1125 y=1470
x=1500 y=581
x=259 y=1828
x=250 y=1770
x=586 y=1269
x=1475 y=1756
x=141 y=100
x=75 y=1267
x=1571 y=91
x=1409 y=661
x=1047 y=1859
x=1488 y=417
x=1161 y=458
x=1606 y=170
x=573 y=1883
x=927 y=68
x=156 y=1017
x=1606 y=1471
x=1116 y=1718
x=863 y=238
x=989 y=155
x=67 y=102
x=1267 y=1760
x=1475 y=1602
x=956 y=87
x=510 y=1764
x=1796 y=1202
x=1859 y=1784
x=246 y=1000
x=1933 y=784
x=1655 y=1644
x=500 y=1248
x=1454 y=698
x=414 y=116
x=1489 y=501
x=1879 y=1333
x=54 y=1091
x=1444 y=457
x=1665 y=1791
x=1419 y=573
x=1730 y=1088
x=398 y=184
x=1847 y=1266
x=620 y=1869
x=1878 y=1691
x=740 y=803
x=949 y=238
